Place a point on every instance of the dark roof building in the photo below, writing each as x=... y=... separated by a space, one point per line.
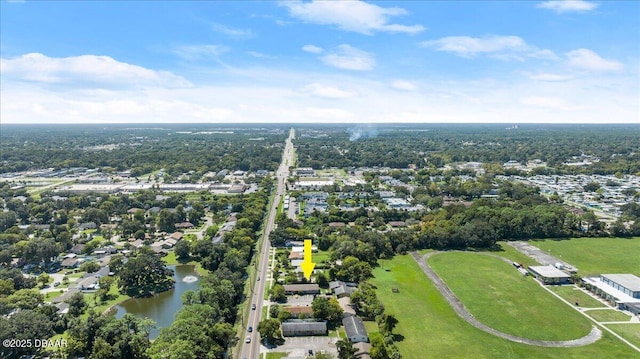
x=354 y=328
x=302 y=289
x=292 y=328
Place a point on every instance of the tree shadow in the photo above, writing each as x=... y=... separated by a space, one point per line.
x=398 y=338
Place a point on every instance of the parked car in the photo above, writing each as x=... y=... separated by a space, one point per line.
x=250 y=329
x=247 y=339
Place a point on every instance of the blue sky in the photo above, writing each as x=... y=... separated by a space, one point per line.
x=568 y=61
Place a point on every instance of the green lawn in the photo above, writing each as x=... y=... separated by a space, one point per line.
x=630 y=332
x=171 y=260
x=321 y=256
x=572 y=295
x=608 y=315
x=276 y=355
x=50 y=295
x=101 y=307
x=427 y=324
x=371 y=327
x=593 y=256
x=499 y=296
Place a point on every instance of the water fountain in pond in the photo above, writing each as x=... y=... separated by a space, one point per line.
x=190 y=279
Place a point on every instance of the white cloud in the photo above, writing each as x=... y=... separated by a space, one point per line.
x=85 y=70
x=260 y=55
x=588 y=60
x=562 y=6
x=404 y=85
x=502 y=47
x=312 y=49
x=200 y=52
x=229 y=31
x=263 y=94
x=324 y=91
x=354 y=16
x=347 y=57
x=549 y=77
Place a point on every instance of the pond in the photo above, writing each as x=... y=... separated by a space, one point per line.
x=162 y=307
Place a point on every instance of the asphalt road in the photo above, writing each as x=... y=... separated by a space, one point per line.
x=252 y=350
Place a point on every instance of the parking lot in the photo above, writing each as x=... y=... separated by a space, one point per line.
x=299 y=346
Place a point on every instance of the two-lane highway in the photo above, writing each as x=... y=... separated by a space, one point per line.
x=252 y=350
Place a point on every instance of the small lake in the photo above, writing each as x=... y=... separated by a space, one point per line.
x=162 y=307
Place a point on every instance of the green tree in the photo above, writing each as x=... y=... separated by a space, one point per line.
x=143 y=274
x=346 y=349
x=354 y=270
x=182 y=249
x=89 y=267
x=77 y=304
x=277 y=293
x=327 y=309
x=43 y=279
x=269 y=330
x=105 y=284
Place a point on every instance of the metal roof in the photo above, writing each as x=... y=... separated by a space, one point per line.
x=354 y=326
x=628 y=281
x=549 y=272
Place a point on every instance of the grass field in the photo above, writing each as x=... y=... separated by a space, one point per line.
x=428 y=326
x=608 y=315
x=276 y=355
x=593 y=256
x=572 y=295
x=499 y=296
x=630 y=332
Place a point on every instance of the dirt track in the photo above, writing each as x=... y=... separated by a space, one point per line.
x=462 y=311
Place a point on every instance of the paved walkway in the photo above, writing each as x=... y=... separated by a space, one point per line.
x=464 y=313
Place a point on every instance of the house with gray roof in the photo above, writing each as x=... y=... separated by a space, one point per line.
x=354 y=329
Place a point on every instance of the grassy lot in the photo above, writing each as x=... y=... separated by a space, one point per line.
x=630 y=332
x=608 y=315
x=50 y=295
x=572 y=295
x=321 y=256
x=101 y=307
x=171 y=260
x=371 y=327
x=276 y=355
x=498 y=295
x=427 y=324
x=593 y=256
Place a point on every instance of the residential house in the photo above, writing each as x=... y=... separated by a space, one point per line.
x=354 y=329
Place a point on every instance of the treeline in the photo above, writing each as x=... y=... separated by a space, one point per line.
x=140 y=150
x=518 y=213
x=437 y=145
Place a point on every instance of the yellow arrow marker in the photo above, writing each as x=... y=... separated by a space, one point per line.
x=307 y=265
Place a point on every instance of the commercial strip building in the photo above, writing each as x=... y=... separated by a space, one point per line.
x=621 y=290
x=297 y=327
x=550 y=275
